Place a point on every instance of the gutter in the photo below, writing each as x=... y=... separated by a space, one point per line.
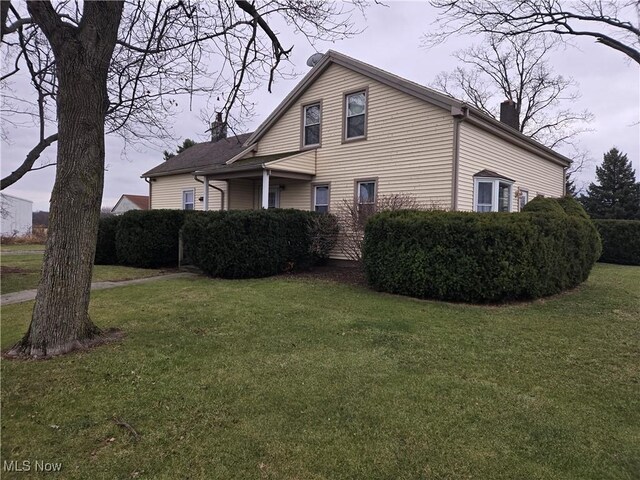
x=195 y=177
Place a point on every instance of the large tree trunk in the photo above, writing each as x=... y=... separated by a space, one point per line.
x=60 y=321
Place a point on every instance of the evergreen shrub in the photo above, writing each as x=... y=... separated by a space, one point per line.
x=620 y=241
x=256 y=243
x=480 y=257
x=149 y=238
x=106 y=244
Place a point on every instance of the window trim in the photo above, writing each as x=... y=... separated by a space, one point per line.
x=495 y=191
x=193 y=192
x=356 y=185
x=303 y=108
x=313 y=194
x=345 y=95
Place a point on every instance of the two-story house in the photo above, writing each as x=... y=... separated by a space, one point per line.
x=352 y=131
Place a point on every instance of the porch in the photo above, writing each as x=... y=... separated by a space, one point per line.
x=271 y=181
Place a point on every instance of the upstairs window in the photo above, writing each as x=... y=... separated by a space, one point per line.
x=356 y=115
x=188 y=200
x=311 y=125
x=492 y=192
x=321 y=198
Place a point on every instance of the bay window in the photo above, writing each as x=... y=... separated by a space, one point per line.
x=492 y=193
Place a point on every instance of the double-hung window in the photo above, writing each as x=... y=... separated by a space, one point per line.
x=356 y=115
x=311 y=125
x=366 y=196
x=492 y=193
x=321 y=198
x=188 y=199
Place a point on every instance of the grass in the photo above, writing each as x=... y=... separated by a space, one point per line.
x=22 y=247
x=304 y=379
x=30 y=265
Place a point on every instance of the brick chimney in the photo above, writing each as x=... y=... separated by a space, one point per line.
x=218 y=129
x=509 y=114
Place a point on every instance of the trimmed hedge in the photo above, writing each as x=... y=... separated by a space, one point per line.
x=620 y=241
x=149 y=238
x=544 y=205
x=251 y=243
x=106 y=244
x=488 y=257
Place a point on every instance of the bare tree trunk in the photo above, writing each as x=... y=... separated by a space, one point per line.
x=60 y=321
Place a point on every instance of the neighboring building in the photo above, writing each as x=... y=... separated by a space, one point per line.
x=349 y=130
x=16 y=215
x=130 y=202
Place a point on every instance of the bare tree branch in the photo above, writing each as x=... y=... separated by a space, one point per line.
x=27 y=165
x=516 y=69
x=603 y=20
x=165 y=51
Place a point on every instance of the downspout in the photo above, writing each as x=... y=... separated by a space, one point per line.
x=195 y=177
x=458 y=115
x=148 y=180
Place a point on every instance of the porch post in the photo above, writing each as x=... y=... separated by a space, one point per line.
x=265 y=188
x=206 y=193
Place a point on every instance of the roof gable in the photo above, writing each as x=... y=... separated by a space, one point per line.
x=456 y=107
x=333 y=57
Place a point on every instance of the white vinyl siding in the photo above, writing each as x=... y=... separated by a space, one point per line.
x=166 y=192
x=241 y=194
x=409 y=145
x=480 y=150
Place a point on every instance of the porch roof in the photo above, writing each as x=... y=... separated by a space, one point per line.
x=299 y=164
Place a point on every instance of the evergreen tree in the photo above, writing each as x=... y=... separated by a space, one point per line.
x=570 y=186
x=181 y=148
x=616 y=193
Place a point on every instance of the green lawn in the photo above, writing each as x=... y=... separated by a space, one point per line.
x=22 y=247
x=305 y=379
x=29 y=274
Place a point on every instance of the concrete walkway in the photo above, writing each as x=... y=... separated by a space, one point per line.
x=27 y=295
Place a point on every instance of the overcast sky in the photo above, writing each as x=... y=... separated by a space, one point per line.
x=609 y=84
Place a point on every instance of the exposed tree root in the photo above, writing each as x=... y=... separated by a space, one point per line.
x=26 y=351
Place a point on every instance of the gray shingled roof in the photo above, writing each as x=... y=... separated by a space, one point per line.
x=199 y=156
x=491 y=174
x=246 y=163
